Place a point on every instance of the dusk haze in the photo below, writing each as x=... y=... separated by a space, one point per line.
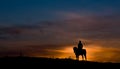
x=51 y=28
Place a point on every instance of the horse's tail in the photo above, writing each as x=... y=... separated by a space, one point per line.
x=85 y=51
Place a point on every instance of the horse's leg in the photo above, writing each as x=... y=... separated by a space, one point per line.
x=85 y=56
x=77 y=57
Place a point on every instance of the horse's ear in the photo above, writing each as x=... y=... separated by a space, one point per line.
x=74 y=47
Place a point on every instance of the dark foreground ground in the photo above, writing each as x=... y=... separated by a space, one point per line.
x=42 y=63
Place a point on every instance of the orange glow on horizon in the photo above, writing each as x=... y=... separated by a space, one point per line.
x=94 y=53
x=68 y=52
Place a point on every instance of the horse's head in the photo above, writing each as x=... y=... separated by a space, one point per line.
x=75 y=49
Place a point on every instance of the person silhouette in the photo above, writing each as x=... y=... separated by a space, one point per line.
x=80 y=45
x=80 y=51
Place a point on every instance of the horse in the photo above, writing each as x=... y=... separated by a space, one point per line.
x=81 y=52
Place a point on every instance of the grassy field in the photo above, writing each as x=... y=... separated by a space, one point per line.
x=52 y=62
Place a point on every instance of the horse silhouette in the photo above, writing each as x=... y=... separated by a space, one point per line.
x=81 y=52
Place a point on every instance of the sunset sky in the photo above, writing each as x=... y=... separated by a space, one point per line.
x=51 y=28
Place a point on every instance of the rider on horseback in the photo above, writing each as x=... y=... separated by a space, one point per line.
x=80 y=46
x=80 y=51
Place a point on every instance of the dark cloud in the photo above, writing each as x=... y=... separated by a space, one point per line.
x=100 y=27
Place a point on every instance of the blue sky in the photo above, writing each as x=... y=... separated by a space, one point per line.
x=26 y=11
